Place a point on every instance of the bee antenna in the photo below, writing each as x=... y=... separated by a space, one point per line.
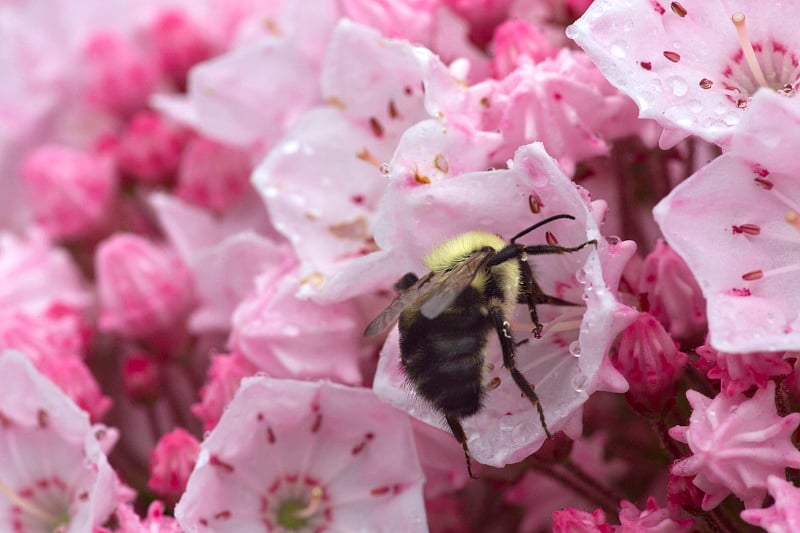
x=540 y=224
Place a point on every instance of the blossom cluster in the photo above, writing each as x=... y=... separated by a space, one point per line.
x=204 y=204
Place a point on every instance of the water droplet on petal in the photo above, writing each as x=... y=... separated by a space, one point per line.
x=385 y=169
x=575 y=348
x=579 y=382
x=580 y=276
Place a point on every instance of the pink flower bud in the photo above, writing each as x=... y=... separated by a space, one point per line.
x=738 y=372
x=171 y=463
x=70 y=191
x=673 y=295
x=576 y=521
x=118 y=78
x=515 y=42
x=141 y=377
x=39 y=336
x=178 y=42
x=149 y=150
x=145 y=290
x=651 y=519
x=650 y=361
x=212 y=174
x=224 y=376
x=681 y=492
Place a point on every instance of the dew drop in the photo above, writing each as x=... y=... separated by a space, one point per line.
x=385 y=169
x=613 y=240
x=575 y=348
x=580 y=276
x=578 y=382
x=618 y=49
x=678 y=85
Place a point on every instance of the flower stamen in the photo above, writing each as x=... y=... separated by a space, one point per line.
x=738 y=20
x=313 y=505
x=27 y=506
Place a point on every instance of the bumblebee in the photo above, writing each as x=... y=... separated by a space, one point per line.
x=446 y=317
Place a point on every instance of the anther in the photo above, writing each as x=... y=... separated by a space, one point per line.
x=313 y=505
x=747 y=48
x=753 y=275
x=793 y=218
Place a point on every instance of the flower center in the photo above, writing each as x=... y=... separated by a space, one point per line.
x=759 y=64
x=294 y=514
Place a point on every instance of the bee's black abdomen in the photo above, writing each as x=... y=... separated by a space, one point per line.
x=443 y=357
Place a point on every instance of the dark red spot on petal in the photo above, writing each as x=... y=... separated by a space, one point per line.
x=223 y=515
x=672 y=56
x=739 y=292
x=646 y=65
x=706 y=83
x=214 y=460
x=317 y=423
x=379 y=491
x=761 y=171
x=270 y=435
x=659 y=9
x=376 y=126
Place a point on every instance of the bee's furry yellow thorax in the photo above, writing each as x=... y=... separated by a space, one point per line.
x=451 y=252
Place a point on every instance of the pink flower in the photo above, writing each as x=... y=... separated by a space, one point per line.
x=783 y=516
x=149 y=149
x=673 y=295
x=144 y=288
x=56 y=332
x=71 y=191
x=735 y=224
x=651 y=362
x=290 y=454
x=684 y=65
x=324 y=209
x=568 y=363
x=74 y=489
x=224 y=376
x=738 y=372
x=171 y=463
x=562 y=101
x=722 y=435
x=651 y=520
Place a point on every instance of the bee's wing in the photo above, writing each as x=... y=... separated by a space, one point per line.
x=390 y=314
x=452 y=283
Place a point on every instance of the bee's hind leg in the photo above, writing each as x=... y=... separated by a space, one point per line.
x=406 y=281
x=461 y=437
x=509 y=355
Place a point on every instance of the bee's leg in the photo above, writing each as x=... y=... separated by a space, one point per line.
x=458 y=432
x=532 y=294
x=509 y=355
x=406 y=281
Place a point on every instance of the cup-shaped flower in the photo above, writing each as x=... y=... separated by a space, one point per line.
x=291 y=455
x=736 y=443
x=54 y=475
x=568 y=363
x=687 y=64
x=736 y=223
